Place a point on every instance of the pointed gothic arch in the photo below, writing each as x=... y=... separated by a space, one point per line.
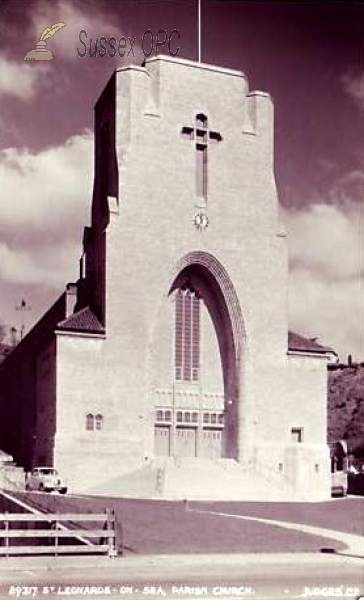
x=203 y=273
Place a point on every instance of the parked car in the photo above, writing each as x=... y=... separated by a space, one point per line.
x=45 y=479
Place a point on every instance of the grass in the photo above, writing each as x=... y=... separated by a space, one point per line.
x=343 y=514
x=161 y=527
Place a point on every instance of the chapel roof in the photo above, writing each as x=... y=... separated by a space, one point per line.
x=83 y=321
x=299 y=343
x=5 y=457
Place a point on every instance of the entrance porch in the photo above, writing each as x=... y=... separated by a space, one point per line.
x=188 y=433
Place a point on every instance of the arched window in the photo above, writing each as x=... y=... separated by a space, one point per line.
x=99 y=422
x=89 y=422
x=187 y=336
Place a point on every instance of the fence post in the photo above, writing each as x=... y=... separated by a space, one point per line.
x=110 y=527
x=6 y=526
x=56 y=540
x=119 y=536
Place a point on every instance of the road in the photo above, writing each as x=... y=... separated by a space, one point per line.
x=188 y=576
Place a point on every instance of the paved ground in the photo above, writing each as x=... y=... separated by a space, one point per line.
x=185 y=576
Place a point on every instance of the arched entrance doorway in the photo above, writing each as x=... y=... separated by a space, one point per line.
x=199 y=415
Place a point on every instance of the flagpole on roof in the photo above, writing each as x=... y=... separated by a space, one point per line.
x=199 y=28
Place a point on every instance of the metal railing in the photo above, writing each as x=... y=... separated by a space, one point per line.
x=57 y=528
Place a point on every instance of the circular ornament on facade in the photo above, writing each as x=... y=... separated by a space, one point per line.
x=200 y=221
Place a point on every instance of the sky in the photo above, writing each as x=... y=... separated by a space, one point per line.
x=308 y=55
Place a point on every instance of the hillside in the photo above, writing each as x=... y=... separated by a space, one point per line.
x=346 y=406
x=5 y=349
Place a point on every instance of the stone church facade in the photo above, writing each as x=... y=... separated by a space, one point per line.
x=173 y=346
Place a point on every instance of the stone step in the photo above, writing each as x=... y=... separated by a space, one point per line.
x=194 y=479
x=216 y=481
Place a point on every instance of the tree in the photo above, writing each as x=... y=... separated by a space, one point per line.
x=2 y=332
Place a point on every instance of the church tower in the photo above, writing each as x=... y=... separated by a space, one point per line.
x=185 y=270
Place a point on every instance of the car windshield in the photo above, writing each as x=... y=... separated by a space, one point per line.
x=48 y=471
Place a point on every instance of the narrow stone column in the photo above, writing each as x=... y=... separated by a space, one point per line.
x=245 y=450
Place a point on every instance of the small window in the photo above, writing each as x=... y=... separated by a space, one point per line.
x=297 y=435
x=194 y=374
x=213 y=418
x=187 y=417
x=89 y=422
x=159 y=415
x=194 y=417
x=221 y=418
x=179 y=417
x=99 y=422
x=206 y=418
x=167 y=415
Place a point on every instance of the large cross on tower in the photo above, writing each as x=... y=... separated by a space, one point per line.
x=201 y=135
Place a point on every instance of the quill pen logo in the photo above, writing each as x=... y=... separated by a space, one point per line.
x=40 y=51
